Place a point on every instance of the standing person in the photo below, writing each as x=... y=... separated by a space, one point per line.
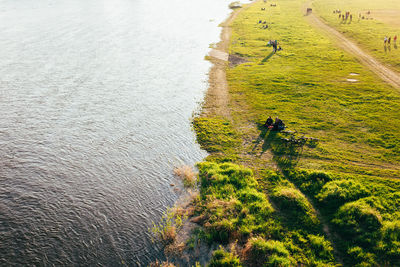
x=385 y=40
x=389 y=40
x=275 y=45
x=395 y=39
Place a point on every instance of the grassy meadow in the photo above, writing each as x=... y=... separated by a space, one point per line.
x=368 y=33
x=306 y=85
x=333 y=201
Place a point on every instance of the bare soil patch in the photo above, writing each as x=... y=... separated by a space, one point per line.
x=235 y=60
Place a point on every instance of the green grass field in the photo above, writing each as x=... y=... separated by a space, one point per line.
x=347 y=182
x=306 y=85
x=369 y=34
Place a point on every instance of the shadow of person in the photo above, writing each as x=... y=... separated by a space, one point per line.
x=268 y=57
x=269 y=141
x=287 y=156
x=264 y=130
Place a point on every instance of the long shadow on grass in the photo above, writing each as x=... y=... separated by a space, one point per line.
x=261 y=137
x=286 y=155
x=268 y=57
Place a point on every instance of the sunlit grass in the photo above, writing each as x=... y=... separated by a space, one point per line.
x=370 y=33
x=346 y=182
x=305 y=84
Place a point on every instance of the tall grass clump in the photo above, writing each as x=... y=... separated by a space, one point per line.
x=166 y=229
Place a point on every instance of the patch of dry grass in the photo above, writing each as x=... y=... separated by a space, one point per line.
x=188 y=176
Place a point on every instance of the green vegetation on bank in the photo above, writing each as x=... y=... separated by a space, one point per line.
x=370 y=31
x=335 y=201
x=217 y=136
x=234 y=209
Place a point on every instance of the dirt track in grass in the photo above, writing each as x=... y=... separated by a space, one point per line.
x=386 y=74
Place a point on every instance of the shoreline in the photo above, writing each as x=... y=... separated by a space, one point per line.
x=252 y=212
x=216 y=100
x=215 y=104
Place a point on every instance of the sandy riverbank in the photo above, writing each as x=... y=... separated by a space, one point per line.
x=216 y=101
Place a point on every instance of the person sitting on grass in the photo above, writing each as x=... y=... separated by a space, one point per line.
x=278 y=125
x=269 y=123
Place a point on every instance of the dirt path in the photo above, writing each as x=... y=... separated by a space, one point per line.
x=217 y=98
x=388 y=75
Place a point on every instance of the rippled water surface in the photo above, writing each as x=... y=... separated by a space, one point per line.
x=96 y=99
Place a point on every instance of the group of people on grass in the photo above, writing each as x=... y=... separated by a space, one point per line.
x=278 y=125
x=345 y=16
x=387 y=40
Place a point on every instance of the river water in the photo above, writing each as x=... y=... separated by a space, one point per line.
x=96 y=98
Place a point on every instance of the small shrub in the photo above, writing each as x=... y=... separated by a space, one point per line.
x=166 y=229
